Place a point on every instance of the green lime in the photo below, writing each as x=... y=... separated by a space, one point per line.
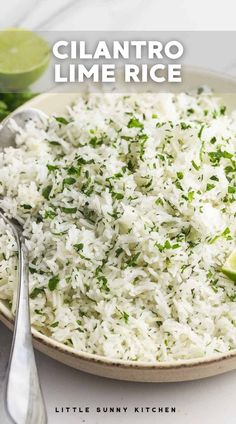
x=229 y=268
x=24 y=56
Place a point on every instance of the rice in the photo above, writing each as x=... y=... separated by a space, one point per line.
x=128 y=208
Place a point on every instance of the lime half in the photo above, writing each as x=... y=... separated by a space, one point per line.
x=229 y=268
x=24 y=56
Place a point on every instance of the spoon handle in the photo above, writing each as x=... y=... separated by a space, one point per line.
x=24 y=400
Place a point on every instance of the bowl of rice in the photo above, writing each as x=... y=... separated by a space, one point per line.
x=128 y=208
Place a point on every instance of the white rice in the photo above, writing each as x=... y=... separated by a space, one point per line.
x=126 y=252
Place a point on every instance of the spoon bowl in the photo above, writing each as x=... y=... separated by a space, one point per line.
x=8 y=133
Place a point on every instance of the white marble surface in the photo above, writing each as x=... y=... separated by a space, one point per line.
x=122 y=14
x=210 y=401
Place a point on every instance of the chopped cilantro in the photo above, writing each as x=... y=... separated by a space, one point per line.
x=200 y=132
x=54 y=142
x=225 y=233
x=231 y=189
x=132 y=261
x=190 y=196
x=103 y=283
x=68 y=210
x=213 y=140
x=78 y=247
x=134 y=123
x=52 y=168
x=197 y=167
x=74 y=170
x=82 y=161
x=126 y=317
x=227 y=155
x=69 y=181
x=119 y=251
x=222 y=110
x=180 y=175
x=190 y=111
x=167 y=245
x=159 y=201
x=117 y=196
x=53 y=282
x=46 y=192
x=184 y=126
x=49 y=214
x=35 y=292
x=210 y=187
x=95 y=141
x=26 y=206
x=178 y=185
x=61 y=120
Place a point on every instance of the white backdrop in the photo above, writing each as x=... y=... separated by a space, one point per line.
x=120 y=14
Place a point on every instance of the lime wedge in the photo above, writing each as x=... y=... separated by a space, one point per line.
x=23 y=58
x=229 y=268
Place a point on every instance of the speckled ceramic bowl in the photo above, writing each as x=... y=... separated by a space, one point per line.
x=127 y=370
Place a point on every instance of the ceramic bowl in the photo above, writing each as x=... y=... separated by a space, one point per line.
x=54 y=102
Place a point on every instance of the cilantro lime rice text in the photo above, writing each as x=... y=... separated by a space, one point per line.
x=128 y=206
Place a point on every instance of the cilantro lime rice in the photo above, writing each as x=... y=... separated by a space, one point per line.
x=128 y=207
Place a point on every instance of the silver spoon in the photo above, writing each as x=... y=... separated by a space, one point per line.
x=23 y=397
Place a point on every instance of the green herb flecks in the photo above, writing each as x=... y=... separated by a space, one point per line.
x=53 y=282
x=46 y=192
x=78 y=247
x=134 y=123
x=68 y=210
x=62 y=120
x=26 y=206
x=103 y=283
x=225 y=234
x=36 y=291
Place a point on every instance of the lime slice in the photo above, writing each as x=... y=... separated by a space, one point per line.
x=229 y=268
x=23 y=58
